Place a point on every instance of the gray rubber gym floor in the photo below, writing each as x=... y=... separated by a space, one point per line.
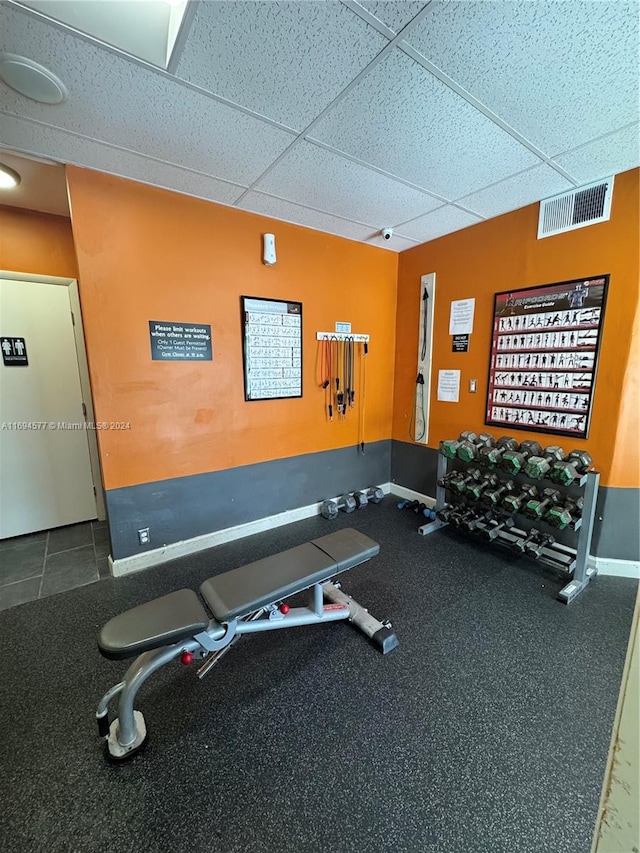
x=486 y=730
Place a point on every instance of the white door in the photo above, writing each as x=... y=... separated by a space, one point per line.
x=45 y=469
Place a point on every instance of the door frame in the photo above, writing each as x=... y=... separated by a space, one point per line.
x=83 y=370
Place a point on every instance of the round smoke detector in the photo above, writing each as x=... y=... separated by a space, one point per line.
x=31 y=79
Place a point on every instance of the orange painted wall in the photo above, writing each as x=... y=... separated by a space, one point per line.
x=148 y=254
x=36 y=243
x=503 y=254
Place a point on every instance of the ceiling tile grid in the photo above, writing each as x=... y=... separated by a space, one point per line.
x=517 y=191
x=561 y=73
x=437 y=223
x=405 y=121
x=491 y=105
x=395 y=15
x=319 y=178
x=613 y=153
x=128 y=105
x=68 y=148
x=284 y=60
x=289 y=212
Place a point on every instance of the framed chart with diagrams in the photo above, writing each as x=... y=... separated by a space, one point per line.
x=544 y=356
x=272 y=348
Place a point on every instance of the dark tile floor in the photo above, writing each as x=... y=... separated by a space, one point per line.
x=51 y=561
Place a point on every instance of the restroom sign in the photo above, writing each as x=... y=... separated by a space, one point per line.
x=14 y=352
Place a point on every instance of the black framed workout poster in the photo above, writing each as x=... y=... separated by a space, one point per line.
x=544 y=356
x=272 y=348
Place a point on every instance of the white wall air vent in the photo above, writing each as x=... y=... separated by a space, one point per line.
x=583 y=206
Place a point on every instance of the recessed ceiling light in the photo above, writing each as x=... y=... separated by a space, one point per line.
x=31 y=79
x=8 y=178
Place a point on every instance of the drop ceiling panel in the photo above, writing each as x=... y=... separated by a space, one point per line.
x=405 y=121
x=321 y=179
x=60 y=145
x=442 y=221
x=517 y=191
x=288 y=212
x=395 y=15
x=609 y=155
x=283 y=60
x=560 y=73
x=126 y=104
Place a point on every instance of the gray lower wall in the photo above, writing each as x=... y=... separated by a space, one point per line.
x=185 y=507
x=616 y=532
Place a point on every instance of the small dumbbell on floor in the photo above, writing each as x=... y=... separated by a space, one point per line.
x=419 y=508
x=330 y=509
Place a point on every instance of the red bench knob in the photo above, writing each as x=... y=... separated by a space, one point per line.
x=284 y=609
x=186 y=658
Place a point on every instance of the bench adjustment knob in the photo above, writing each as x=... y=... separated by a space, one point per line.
x=186 y=658
x=284 y=609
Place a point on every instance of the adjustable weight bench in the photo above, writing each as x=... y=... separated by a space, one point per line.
x=243 y=601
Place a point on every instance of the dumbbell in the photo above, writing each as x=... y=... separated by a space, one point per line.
x=536 y=509
x=534 y=548
x=471 y=521
x=514 y=503
x=375 y=495
x=513 y=462
x=449 y=448
x=361 y=499
x=461 y=516
x=474 y=489
x=565 y=515
x=525 y=543
x=575 y=465
x=489 y=457
x=460 y=484
x=329 y=509
x=419 y=508
x=491 y=533
x=452 y=475
x=468 y=449
x=539 y=466
x=495 y=496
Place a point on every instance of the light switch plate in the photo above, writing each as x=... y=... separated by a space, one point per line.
x=473 y=386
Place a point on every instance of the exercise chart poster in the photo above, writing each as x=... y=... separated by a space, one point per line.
x=544 y=356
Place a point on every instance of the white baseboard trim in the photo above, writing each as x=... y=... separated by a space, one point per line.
x=408 y=494
x=616 y=568
x=137 y=562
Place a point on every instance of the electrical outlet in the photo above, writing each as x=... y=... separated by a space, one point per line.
x=144 y=536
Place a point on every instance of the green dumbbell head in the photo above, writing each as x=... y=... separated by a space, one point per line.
x=536 y=509
x=449 y=448
x=539 y=466
x=475 y=489
x=460 y=484
x=494 y=496
x=514 y=502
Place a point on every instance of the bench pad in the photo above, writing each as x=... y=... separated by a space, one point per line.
x=161 y=622
x=242 y=591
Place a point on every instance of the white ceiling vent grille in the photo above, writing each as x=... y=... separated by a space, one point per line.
x=584 y=206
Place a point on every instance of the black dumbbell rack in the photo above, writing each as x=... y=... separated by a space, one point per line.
x=571 y=558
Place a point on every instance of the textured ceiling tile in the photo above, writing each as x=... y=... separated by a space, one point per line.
x=121 y=102
x=59 y=145
x=284 y=60
x=395 y=15
x=518 y=191
x=402 y=119
x=395 y=244
x=288 y=212
x=442 y=221
x=561 y=73
x=321 y=179
x=611 y=155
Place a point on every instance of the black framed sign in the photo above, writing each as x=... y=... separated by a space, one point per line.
x=272 y=348
x=544 y=356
